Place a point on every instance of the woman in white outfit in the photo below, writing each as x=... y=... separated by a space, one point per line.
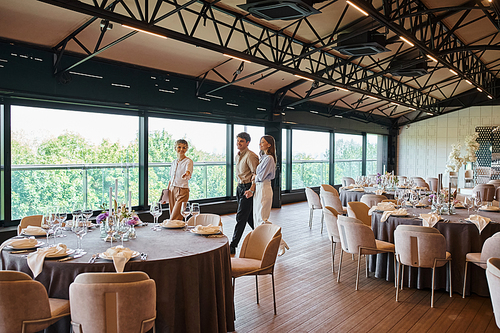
x=261 y=189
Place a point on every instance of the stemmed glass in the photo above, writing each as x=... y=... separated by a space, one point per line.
x=111 y=229
x=468 y=203
x=185 y=210
x=80 y=229
x=122 y=228
x=49 y=222
x=156 y=211
x=195 y=210
x=61 y=216
x=414 y=199
x=87 y=214
x=77 y=212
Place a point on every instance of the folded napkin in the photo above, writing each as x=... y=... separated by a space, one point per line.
x=32 y=230
x=491 y=208
x=20 y=243
x=207 y=229
x=400 y=211
x=430 y=220
x=357 y=189
x=420 y=188
x=384 y=206
x=459 y=205
x=379 y=192
x=173 y=223
x=479 y=221
x=36 y=259
x=121 y=255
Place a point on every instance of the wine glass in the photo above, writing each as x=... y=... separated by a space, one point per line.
x=122 y=228
x=87 y=214
x=61 y=218
x=468 y=203
x=80 y=229
x=77 y=212
x=49 y=218
x=156 y=211
x=195 y=210
x=185 y=210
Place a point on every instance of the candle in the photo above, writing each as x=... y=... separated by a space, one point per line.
x=129 y=201
x=110 y=202
x=116 y=190
x=383 y=171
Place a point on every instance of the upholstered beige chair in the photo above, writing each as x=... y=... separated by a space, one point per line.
x=331 y=216
x=372 y=199
x=491 y=248
x=469 y=178
x=357 y=238
x=359 y=210
x=421 y=183
x=258 y=255
x=497 y=194
x=332 y=200
x=346 y=181
x=328 y=188
x=419 y=246
x=25 y=306
x=433 y=184
x=495 y=182
x=394 y=201
x=314 y=202
x=34 y=220
x=486 y=192
x=113 y=302
x=416 y=178
x=493 y=277
x=205 y=219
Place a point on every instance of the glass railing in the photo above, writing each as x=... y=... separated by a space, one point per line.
x=307 y=173
x=35 y=187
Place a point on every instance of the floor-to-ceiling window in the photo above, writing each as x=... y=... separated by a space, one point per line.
x=310 y=154
x=70 y=159
x=348 y=156
x=256 y=132
x=207 y=149
x=284 y=159
x=374 y=153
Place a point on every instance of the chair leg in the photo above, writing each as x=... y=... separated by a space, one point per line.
x=366 y=265
x=257 y=288
x=310 y=218
x=357 y=270
x=340 y=264
x=274 y=293
x=432 y=285
x=465 y=278
x=397 y=280
x=333 y=255
x=322 y=219
x=449 y=270
x=403 y=275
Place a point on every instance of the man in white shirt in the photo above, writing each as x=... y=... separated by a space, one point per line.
x=246 y=163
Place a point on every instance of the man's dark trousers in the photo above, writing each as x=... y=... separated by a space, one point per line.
x=244 y=213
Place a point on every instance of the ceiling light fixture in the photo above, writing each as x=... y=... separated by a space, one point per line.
x=454 y=73
x=338 y=116
x=406 y=41
x=490 y=97
x=240 y=59
x=479 y=89
x=432 y=58
x=303 y=77
x=394 y=103
x=372 y=97
x=361 y=10
x=146 y=32
x=341 y=88
x=315 y=112
x=468 y=82
x=413 y=109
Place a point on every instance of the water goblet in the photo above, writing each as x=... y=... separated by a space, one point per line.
x=185 y=210
x=122 y=228
x=195 y=210
x=468 y=203
x=80 y=229
x=87 y=214
x=156 y=211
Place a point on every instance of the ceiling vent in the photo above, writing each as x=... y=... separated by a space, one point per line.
x=280 y=10
x=401 y=68
x=365 y=44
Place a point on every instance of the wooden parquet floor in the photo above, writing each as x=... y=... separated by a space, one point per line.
x=309 y=299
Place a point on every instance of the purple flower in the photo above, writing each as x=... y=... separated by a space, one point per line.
x=101 y=217
x=133 y=221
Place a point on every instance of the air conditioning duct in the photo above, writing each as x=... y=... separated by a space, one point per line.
x=280 y=9
x=368 y=43
x=401 y=68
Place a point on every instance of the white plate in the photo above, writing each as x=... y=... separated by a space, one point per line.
x=398 y=215
x=59 y=256
x=165 y=224
x=34 y=235
x=106 y=257
x=490 y=209
x=10 y=247
x=204 y=232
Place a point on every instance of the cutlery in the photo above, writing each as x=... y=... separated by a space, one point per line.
x=144 y=256
x=22 y=251
x=94 y=258
x=74 y=257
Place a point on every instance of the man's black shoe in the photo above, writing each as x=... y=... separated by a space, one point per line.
x=232 y=250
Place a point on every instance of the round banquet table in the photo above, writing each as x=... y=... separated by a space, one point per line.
x=192 y=275
x=461 y=238
x=348 y=196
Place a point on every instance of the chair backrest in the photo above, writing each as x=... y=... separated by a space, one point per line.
x=433 y=184
x=205 y=219
x=113 y=302
x=495 y=182
x=331 y=216
x=497 y=194
x=313 y=199
x=493 y=276
x=262 y=243
x=21 y=299
x=421 y=183
x=359 y=210
x=418 y=246
x=346 y=181
x=402 y=177
x=328 y=188
x=330 y=199
x=415 y=178
x=491 y=248
x=34 y=220
x=354 y=233
x=469 y=174
x=486 y=192
x=453 y=174
x=372 y=199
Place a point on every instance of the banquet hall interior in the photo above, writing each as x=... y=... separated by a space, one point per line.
x=390 y=98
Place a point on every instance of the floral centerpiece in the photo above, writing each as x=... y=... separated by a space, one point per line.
x=455 y=161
